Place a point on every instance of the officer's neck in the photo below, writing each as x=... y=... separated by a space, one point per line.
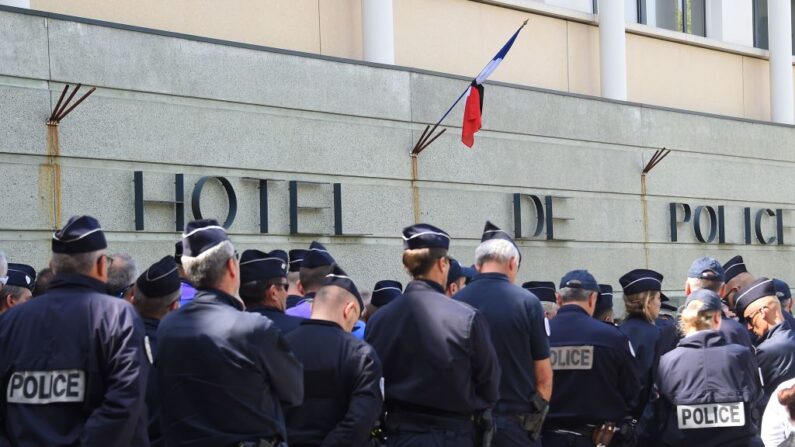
x=502 y=268
x=437 y=279
x=584 y=305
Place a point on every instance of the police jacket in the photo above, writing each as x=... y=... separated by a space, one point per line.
x=152 y=390
x=284 y=322
x=708 y=391
x=73 y=369
x=436 y=352
x=518 y=332
x=644 y=337
x=224 y=374
x=734 y=332
x=293 y=300
x=595 y=378
x=776 y=357
x=342 y=394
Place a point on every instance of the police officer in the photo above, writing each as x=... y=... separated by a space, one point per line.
x=263 y=286
x=295 y=293
x=715 y=406
x=518 y=332
x=315 y=266
x=707 y=273
x=342 y=374
x=458 y=277
x=384 y=292
x=224 y=374
x=18 y=288
x=642 y=300
x=759 y=309
x=73 y=366
x=440 y=368
x=736 y=277
x=784 y=296
x=157 y=293
x=545 y=292
x=604 y=304
x=594 y=373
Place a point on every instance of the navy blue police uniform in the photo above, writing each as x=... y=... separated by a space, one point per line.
x=342 y=378
x=518 y=333
x=224 y=373
x=317 y=256
x=296 y=257
x=257 y=266
x=776 y=350
x=439 y=364
x=604 y=302
x=643 y=334
x=595 y=378
x=159 y=281
x=708 y=389
x=73 y=366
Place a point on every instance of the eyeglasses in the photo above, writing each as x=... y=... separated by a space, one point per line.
x=749 y=320
x=121 y=292
x=108 y=260
x=237 y=256
x=282 y=285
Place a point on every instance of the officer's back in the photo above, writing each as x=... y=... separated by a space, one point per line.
x=72 y=360
x=342 y=374
x=708 y=387
x=594 y=376
x=439 y=364
x=518 y=332
x=224 y=373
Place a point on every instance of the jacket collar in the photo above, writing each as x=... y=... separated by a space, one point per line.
x=425 y=284
x=216 y=296
x=703 y=339
x=68 y=280
x=491 y=275
x=315 y=322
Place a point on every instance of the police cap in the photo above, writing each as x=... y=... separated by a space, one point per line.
x=706 y=268
x=21 y=275
x=761 y=288
x=782 y=289
x=202 y=235
x=257 y=265
x=425 y=236
x=544 y=290
x=385 y=291
x=641 y=280
x=339 y=278
x=604 y=300
x=160 y=279
x=296 y=259
x=733 y=267
x=579 y=279
x=709 y=299
x=316 y=256
x=81 y=234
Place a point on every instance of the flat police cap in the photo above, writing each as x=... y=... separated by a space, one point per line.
x=21 y=275
x=579 y=279
x=668 y=307
x=202 y=235
x=81 y=234
x=641 y=280
x=339 y=278
x=710 y=300
x=761 y=288
x=706 y=268
x=491 y=231
x=160 y=279
x=544 y=290
x=425 y=236
x=385 y=291
x=782 y=289
x=316 y=256
x=257 y=265
x=604 y=301
x=733 y=267
x=296 y=258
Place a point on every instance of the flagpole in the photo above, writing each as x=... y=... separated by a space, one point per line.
x=422 y=143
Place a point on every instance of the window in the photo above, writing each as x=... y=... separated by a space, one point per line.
x=760 y=24
x=687 y=16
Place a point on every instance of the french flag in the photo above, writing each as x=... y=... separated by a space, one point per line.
x=473 y=110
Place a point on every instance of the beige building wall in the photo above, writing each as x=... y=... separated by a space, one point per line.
x=459 y=37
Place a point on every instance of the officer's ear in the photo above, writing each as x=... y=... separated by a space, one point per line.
x=300 y=287
x=558 y=300
x=688 y=290
x=722 y=290
x=232 y=267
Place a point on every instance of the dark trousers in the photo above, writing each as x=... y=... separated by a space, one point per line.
x=511 y=434
x=409 y=430
x=556 y=439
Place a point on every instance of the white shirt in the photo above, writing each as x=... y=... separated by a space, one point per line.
x=776 y=423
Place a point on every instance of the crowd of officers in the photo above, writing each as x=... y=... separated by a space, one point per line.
x=211 y=348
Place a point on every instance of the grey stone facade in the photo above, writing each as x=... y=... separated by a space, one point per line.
x=168 y=105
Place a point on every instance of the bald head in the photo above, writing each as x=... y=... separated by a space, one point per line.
x=336 y=304
x=763 y=314
x=735 y=284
